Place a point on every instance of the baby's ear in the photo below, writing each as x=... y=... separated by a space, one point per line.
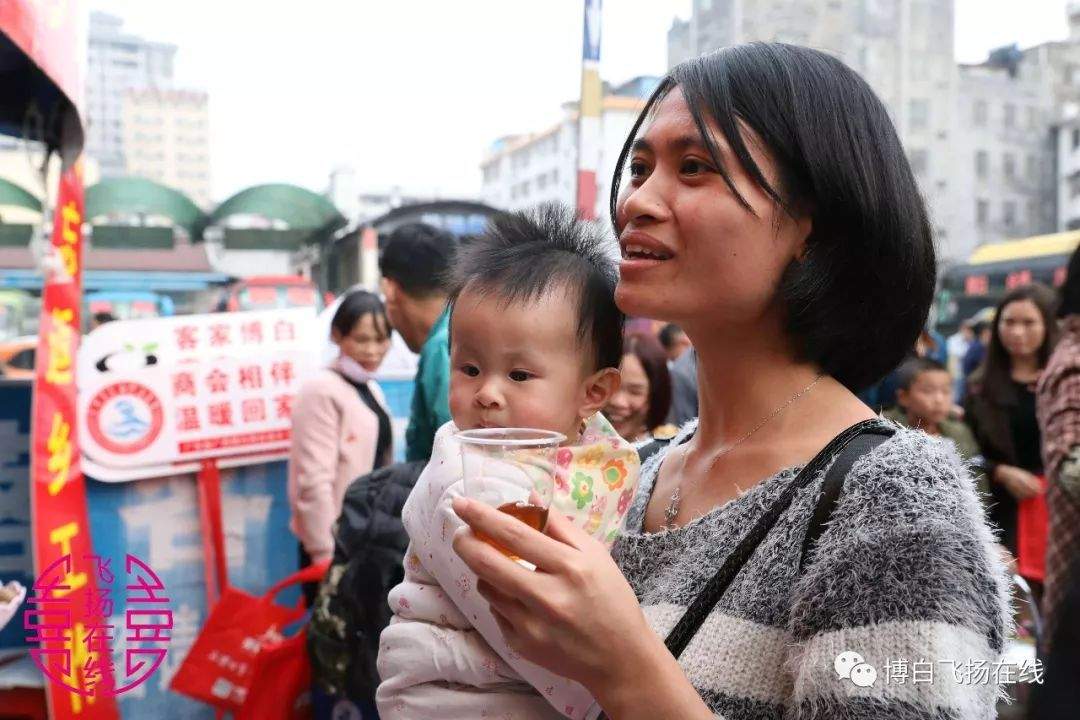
x=599 y=387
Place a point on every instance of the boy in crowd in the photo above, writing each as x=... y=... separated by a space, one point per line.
x=924 y=399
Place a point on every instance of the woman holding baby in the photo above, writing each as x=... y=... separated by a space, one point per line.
x=765 y=204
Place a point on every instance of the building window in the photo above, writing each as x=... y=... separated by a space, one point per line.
x=1009 y=165
x=980 y=113
x=1033 y=215
x=1010 y=115
x=919 y=110
x=982 y=164
x=1074 y=184
x=982 y=212
x=1032 y=168
x=918 y=160
x=1009 y=213
x=1075 y=138
x=1033 y=117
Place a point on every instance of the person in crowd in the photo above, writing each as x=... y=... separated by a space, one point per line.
x=340 y=425
x=535 y=342
x=414 y=264
x=956 y=346
x=982 y=328
x=639 y=408
x=1058 y=410
x=369 y=538
x=684 y=389
x=1000 y=401
x=675 y=342
x=769 y=209
x=682 y=366
x=924 y=402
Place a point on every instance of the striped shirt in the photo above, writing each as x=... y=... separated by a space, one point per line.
x=905 y=575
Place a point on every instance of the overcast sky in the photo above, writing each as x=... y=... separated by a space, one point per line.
x=411 y=92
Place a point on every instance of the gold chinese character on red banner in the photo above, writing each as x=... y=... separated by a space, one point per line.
x=59 y=448
x=71 y=227
x=61 y=341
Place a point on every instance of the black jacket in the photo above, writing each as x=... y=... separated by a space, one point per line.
x=351 y=610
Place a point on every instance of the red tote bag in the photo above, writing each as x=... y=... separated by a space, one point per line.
x=226 y=660
x=280 y=683
x=1032 y=524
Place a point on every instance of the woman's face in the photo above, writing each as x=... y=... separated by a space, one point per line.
x=630 y=404
x=1021 y=328
x=710 y=257
x=367 y=344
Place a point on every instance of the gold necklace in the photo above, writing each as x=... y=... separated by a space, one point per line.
x=672 y=511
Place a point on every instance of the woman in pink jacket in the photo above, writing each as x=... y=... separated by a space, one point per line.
x=341 y=427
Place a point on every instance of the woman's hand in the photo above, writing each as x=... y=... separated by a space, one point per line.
x=1021 y=484
x=575 y=615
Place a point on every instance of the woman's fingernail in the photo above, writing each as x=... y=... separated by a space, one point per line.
x=460 y=505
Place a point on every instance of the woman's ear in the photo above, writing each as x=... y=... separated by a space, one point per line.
x=335 y=336
x=599 y=387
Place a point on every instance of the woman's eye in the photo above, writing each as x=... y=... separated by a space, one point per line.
x=637 y=169
x=470 y=370
x=690 y=166
x=519 y=375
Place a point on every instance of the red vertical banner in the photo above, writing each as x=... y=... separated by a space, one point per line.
x=77 y=666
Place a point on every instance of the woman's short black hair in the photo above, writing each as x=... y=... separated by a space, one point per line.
x=521 y=256
x=650 y=354
x=993 y=378
x=354 y=306
x=857 y=300
x=1070 y=291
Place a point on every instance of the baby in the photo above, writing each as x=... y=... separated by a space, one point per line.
x=535 y=341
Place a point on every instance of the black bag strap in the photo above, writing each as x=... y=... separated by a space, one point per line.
x=833 y=484
x=650 y=448
x=837 y=449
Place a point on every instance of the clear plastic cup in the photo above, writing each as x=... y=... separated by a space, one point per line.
x=511 y=469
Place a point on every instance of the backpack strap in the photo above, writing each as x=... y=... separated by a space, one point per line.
x=833 y=483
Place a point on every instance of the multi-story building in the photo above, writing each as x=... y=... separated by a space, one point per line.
x=166 y=139
x=520 y=171
x=118 y=62
x=1067 y=146
x=904 y=49
x=1003 y=159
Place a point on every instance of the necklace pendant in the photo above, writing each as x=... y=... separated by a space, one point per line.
x=672 y=510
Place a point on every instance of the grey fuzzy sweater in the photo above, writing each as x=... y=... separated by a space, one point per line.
x=905 y=574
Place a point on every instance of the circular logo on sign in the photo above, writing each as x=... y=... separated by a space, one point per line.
x=125 y=417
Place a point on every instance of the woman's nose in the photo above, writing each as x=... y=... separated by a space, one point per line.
x=644 y=203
